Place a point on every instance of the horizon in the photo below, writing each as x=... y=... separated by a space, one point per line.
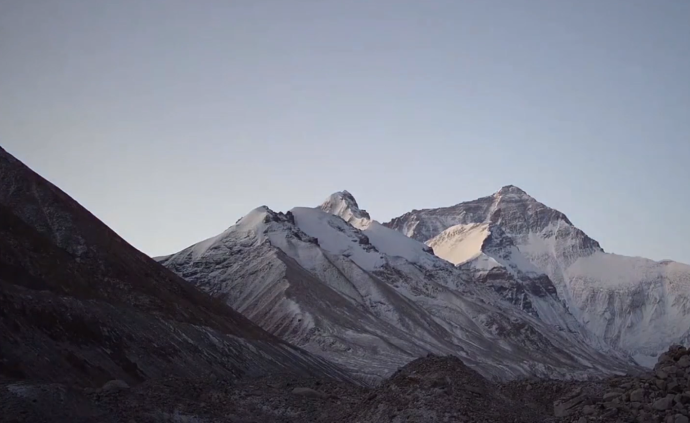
x=373 y=218
x=169 y=121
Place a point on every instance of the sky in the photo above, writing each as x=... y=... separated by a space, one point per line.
x=171 y=119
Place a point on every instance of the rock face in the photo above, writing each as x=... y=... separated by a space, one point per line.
x=81 y=307
x=628 y=304
x=341 y=285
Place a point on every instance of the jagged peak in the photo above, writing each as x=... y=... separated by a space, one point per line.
x=346 y=193
x=512 y=191
x=343 y=195
x=343 y=204
x=254 y=216
x=510 y=196
x=261 y=218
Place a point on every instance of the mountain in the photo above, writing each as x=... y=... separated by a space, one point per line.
x=79 y=306
x=630 y=304
x=343 y=286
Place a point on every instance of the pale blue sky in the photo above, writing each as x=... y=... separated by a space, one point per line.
x=170 y=119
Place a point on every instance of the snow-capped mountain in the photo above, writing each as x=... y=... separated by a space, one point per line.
x=632 y=304
x=339 y=284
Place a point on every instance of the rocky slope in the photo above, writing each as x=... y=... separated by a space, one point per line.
x=79 y=306
x=660 y=396
x=628 y=304
x=341 y=285
x=428 y=389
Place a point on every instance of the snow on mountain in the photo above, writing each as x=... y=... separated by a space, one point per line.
x=639 y=305
x=337 y=237
x=460 y=243
x=343 y=204
x=490 y=257
x=389 y=242
x=487 y=243
x=341 y=285
x=631 y=304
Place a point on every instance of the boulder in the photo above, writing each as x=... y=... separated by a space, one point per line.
x=568 y=404
x=663 y=403
x=637 y=395
x=683 y=362
x=673 y=386
x=611 y=395
x=588 y=410
x=114 y=386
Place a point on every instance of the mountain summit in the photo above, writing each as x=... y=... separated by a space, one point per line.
x=630 y=304
x=343 y=204
x=511 y=190
x=511 y=207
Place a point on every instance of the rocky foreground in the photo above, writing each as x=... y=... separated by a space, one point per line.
x=429 y=389
x=660 y=396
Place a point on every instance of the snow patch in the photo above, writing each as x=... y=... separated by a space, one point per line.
x=616 y=271
x=251 y=224
x=460 y=243
x=336 y=236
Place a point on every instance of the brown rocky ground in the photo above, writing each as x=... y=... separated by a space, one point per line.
x=659 y=396
x=429 y=389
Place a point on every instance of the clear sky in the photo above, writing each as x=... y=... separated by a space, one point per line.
x=170 y=119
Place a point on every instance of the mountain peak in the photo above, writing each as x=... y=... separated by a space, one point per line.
x=343 y=204
x=511 y=190
x=345 y=194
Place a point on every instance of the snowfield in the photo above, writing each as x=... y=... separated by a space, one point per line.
x=460 y=243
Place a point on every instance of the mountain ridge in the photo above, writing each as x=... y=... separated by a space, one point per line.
x=581 y=270
x=524 y=251
x=491 y=206
x=78 y=305
x=407 y=301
